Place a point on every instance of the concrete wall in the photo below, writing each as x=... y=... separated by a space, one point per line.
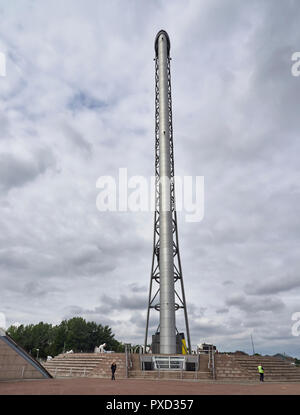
x=14 y=366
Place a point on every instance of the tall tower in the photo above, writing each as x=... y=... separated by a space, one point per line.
x=164 y=296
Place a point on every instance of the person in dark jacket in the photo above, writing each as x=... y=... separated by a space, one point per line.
x=113 y=369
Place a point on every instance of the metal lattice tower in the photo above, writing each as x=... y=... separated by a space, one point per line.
x=166 y=293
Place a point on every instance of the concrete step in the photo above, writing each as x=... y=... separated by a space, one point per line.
x=279 y=365
x=276 y=370
x=85 y=364
x=165 y=374
x=272 y=369
x=77 y=360
x=75 y=364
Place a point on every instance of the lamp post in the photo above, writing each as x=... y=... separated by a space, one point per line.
x=37 y=355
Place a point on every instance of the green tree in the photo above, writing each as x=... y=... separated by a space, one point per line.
x=58 y=337
x=75 y=334
x=16 y=333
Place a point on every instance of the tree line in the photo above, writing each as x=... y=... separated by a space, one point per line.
x=75 y=334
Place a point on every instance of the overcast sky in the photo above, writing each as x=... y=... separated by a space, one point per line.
x=78 y=103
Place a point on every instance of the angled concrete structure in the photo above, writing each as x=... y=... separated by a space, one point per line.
x=16 y=363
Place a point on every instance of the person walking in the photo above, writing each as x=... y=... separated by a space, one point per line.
x=261 y=373
x=113 y=369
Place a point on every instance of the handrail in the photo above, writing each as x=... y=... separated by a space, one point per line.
x=211 y=360
x=126 y=361
x=213 y=364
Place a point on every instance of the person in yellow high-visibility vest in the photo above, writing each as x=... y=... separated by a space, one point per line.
x=261 y=372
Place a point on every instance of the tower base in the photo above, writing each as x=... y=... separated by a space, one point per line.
x=169 y=362
x=180 y=343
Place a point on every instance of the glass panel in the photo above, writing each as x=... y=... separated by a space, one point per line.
x=170 y=362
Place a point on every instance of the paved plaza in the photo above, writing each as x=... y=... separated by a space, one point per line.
x=94 y=386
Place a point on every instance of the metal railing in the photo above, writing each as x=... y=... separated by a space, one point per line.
x=21 y=372
x=211 y=360
x=128 y=359
x=69 y=372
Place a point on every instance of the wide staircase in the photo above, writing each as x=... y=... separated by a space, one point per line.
x=228 y=368
x=276 y=369
x=86 y=365
x=242 y=368
x=135 y=371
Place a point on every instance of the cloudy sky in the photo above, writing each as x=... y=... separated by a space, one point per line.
x=77 y=103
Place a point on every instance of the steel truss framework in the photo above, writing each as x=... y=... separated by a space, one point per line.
x=153 y=302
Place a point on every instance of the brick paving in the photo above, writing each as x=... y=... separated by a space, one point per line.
x=92 y=386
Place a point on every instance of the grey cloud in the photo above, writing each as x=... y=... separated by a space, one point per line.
x=204 y=330
x=89 y=259
x=90 y=315
x=222 y=310
x=194 y=310
x=77 y=138
x=82 y=100
x=12 y=259
x=5 y=126
x=134 y=287
x=255 y=305
x=34 y=288
x=139 y=320
x=74 y=310
x=132 y=302
x=228 y=282
x=16 y=171
x=127 y=302
x=273 y=286
x=27 y=288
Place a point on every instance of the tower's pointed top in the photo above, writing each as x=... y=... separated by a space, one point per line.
x=162 y=32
